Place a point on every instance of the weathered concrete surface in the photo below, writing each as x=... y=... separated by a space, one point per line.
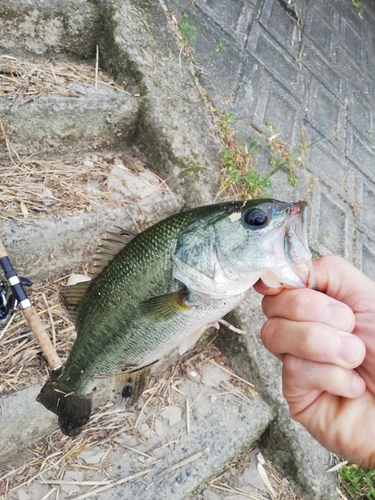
x=221 y=428
x=24 y=421
x=285 y=442
x=313 y=81
x=96 y=120
x=175 y=130
x=15 y=432
x=218 y=432
x=48 y=28
x=60 y=245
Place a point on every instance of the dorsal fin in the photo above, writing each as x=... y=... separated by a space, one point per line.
x=110 y=247
x=71 y=298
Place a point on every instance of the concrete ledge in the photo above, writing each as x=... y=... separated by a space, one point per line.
x=45 y=28
x=24 y=421
x=49 y=125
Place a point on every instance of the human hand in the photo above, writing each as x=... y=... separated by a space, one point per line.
x=326 y=340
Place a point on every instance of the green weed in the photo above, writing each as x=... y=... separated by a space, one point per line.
x=282 y=158
x=314 y=254
x=271 y=126
x=358 y=6
x=239 y=177
x=358 y=482
x=323 y=237
x=220 y=48
x=188 y=32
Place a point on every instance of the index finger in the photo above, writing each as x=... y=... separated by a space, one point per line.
x=339 y=279
x=303 y=304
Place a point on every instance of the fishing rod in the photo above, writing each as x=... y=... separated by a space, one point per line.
x=20 y=298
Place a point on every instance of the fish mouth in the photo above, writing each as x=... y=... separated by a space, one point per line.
x=296 y=247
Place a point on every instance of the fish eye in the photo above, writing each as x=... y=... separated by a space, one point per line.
x=255 y=218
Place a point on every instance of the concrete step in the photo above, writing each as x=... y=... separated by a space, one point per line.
x=94 y=119
x=181 y=435
x=55 y=212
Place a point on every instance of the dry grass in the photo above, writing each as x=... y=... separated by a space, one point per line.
x=23 y=81
x=30 y=188
x=21 y=362
x=33 y=189
x=57 y=453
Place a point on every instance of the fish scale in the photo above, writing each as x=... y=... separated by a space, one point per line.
x=164 y=288
x=132 y=276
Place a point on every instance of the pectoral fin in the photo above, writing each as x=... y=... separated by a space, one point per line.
x=126 y=388
x=166 y=306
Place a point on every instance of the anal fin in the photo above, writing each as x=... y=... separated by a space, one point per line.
x=127 y=388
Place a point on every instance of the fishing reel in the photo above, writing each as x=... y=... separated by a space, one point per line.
x=8 y=302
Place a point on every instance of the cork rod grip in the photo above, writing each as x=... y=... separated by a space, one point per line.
x=38 y=329
x=42 y=337
x=3 y=252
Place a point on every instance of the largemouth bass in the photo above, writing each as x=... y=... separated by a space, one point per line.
x=165 y=288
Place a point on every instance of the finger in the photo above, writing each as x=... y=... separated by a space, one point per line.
x=338 y=278
x=309 y=305
x=301 y=376
x=263 y=289
x=334 y=422
x=313 y=342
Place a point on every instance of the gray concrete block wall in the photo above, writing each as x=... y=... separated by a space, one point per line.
x=313 y=80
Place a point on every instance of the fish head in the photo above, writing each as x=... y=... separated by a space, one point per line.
x=228 y=252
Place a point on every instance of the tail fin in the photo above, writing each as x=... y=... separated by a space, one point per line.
x=73 y=410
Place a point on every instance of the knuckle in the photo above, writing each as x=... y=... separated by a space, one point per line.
x=307 y=340
x=335 y=260
x=266 y=305
x=300 y=304
x=293 y=366
x=267 y=333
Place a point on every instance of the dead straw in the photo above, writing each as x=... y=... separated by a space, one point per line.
x=112 y=485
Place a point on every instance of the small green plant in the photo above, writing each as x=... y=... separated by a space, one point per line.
x=239 y=177
x=314 y=254
x=220 y=48
x=323 y=237
x=358 y=6
x=286 y=160
x=282 y=158
x=357 y=482
x=271 y=126
x=225 y=120
x=188 y=32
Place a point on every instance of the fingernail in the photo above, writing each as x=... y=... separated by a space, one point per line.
x=339 y=317
x=358 y=385
x=350 y=350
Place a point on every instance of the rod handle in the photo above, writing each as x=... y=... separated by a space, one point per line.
x=42 y=337
x=34 y=321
